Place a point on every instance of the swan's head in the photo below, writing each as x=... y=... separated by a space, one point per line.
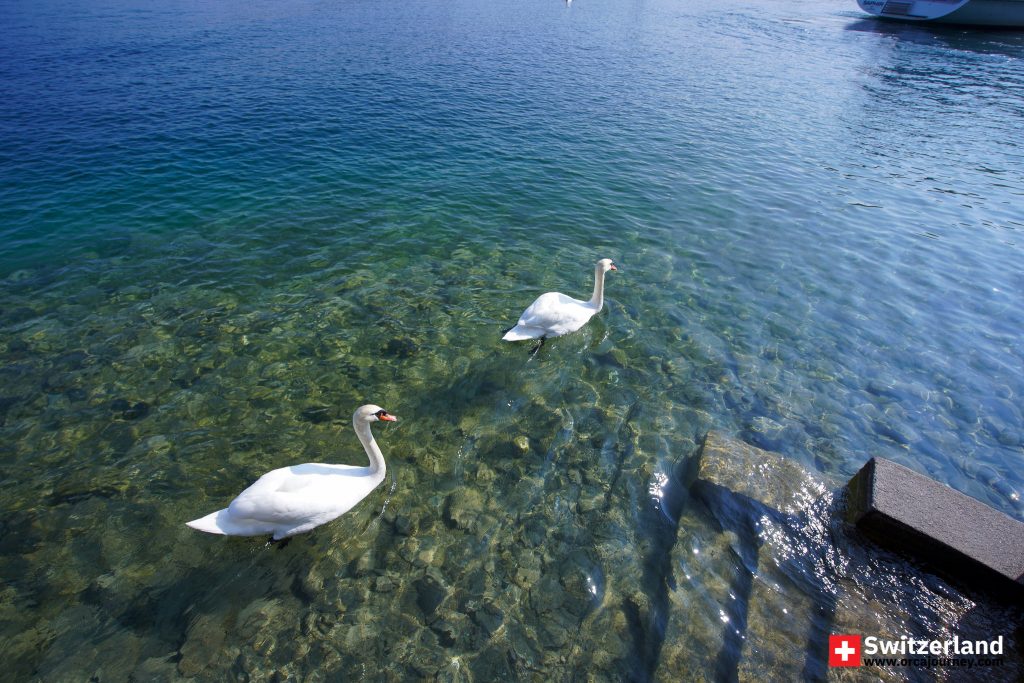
x=605 y=264
x=372 y=413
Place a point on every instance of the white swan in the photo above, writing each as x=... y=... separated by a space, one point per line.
x=554 y=314
x=291 y=500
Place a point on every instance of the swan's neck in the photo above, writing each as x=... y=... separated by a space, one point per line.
x=597 y=300
x=377 y=466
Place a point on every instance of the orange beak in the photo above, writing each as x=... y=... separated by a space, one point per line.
x=389 y=418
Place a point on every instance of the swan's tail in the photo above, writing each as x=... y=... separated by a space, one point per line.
x=221 y=522
x=213 y=523
x=521 y=332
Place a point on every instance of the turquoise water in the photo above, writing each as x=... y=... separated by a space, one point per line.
x=227 y=225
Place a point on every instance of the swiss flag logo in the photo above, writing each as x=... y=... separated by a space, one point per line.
x=844 y=650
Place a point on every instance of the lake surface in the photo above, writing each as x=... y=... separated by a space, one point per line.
x=227 y=225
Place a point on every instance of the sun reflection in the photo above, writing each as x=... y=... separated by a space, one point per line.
x=657 y=486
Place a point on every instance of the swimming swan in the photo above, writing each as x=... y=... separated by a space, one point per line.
x=554 y=314
x=291 y=500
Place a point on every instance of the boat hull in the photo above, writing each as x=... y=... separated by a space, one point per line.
x=1005 y=13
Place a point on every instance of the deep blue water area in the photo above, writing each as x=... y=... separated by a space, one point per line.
x=226 y=225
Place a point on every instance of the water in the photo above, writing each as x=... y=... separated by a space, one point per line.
x=227 y=225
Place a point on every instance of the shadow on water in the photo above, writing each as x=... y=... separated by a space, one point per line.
x=746 y=518
x=660 y=522
x=980 y=39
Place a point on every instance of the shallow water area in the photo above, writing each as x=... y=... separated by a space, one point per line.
x=228 y=226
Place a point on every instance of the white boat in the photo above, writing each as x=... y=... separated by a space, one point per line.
x=973 y=12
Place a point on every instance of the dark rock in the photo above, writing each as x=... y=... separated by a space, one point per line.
x=404 y=525
x=453 y=630
x=19 y=533
x=185 y=375
x=488 y=617
x=534 y=532
x=401 y=348
x=129 y=410
x=958 y=535
x=137 y=411
x=445 y=633
x=429 y=594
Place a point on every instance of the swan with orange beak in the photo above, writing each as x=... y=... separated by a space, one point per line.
x=555 y=314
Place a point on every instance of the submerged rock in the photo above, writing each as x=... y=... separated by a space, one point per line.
x=787 y=573
x=583 y=582
x=129 y=410
x=401 y=348
x=430 y=593
x=202 y=645
x=488 y=617
x=463 y=507
x=759 y=475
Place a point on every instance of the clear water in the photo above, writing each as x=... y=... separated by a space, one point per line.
x=226 y=225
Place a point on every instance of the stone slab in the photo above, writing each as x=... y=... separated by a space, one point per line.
x=914 y=514
x=760 y=475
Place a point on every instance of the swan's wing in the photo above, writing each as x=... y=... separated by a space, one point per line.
x=293 y=496
x=548 y=308
x=557 y=314
x=273 y=507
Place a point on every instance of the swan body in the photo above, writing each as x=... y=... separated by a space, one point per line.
x=554 y=314
x=291 y=500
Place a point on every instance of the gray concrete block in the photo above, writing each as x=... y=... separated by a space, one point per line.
x=956 y=534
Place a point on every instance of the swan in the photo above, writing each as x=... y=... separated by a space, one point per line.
x=554 y=314
x=291 y=500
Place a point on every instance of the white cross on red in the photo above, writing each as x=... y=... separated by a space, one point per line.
x=845 y=650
